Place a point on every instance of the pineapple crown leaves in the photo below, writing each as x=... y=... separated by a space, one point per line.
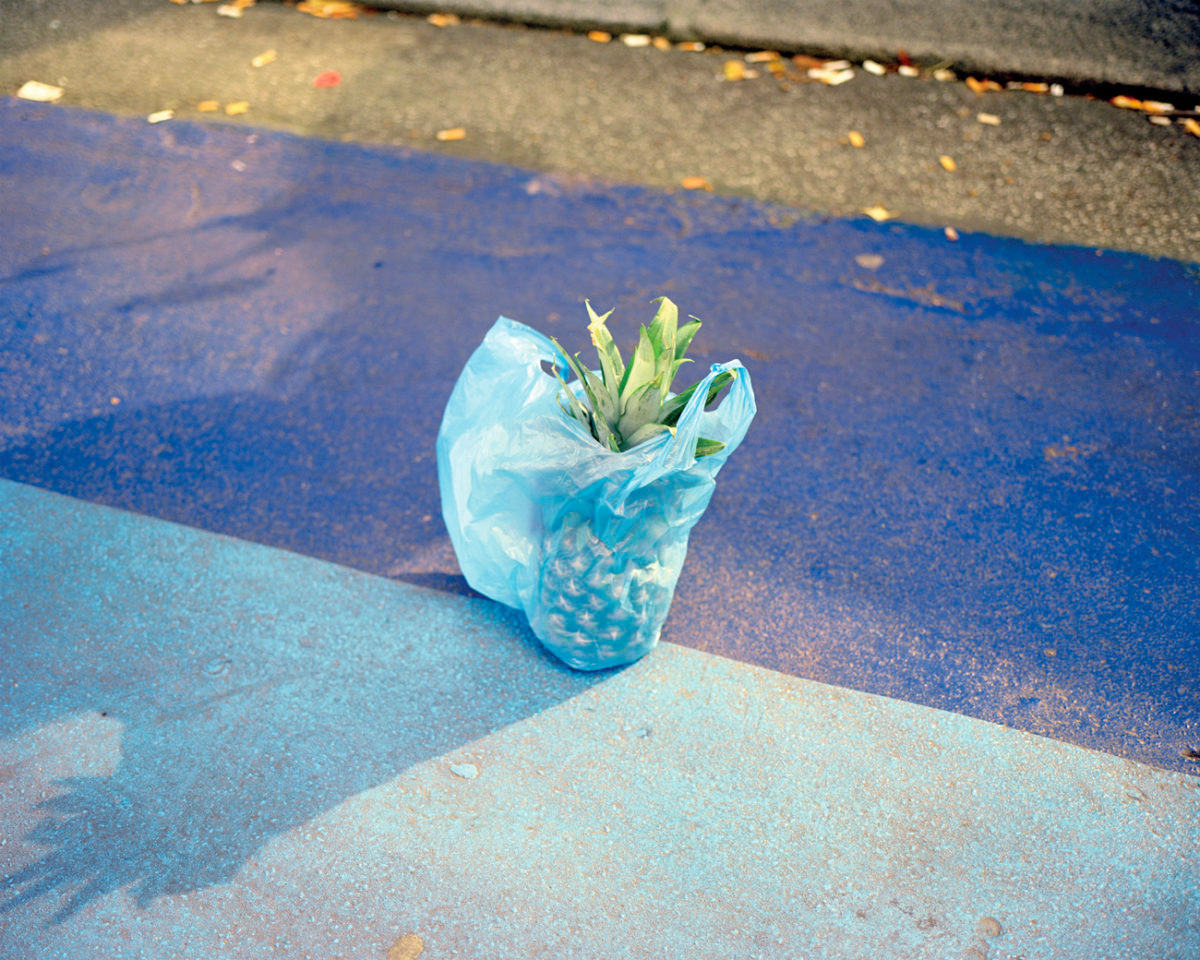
x=628 y=404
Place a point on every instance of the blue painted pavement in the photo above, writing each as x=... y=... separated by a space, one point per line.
x=217 y=749
x=972 y=483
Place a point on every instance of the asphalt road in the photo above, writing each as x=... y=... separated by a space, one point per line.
x=1058 y=169
x=1152 y=43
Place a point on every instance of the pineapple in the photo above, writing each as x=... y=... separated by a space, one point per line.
x=602 y=595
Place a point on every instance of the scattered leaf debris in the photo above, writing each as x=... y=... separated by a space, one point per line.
x=878 y=69
x=990 y=119
x=735 y=70
x=41 y=92
x=453 y=133
x=947 y=163
x=662 y=43
x=636 y=39
x=331 y=9
x=230 y=10
x=951 y=234
x=695 y=183
x=208 y=106
x=443 y=19
x=981 y=87
x=599 y=36
x=1192 y=126
x=408 y=947
x=691 y=46
x=763 y=56
x=879 y=213
x=907 y=70
x=869 y=261
x=267 y=56
x=236 y=108
x=856 y=139
x=832 y=74
x=159 y=116
x=327 y=78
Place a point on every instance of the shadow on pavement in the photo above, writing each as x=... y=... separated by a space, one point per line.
x=208 y=695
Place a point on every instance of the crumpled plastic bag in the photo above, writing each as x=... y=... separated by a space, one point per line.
x=588 y=542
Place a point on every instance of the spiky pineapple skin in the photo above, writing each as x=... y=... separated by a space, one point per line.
x=602 y=606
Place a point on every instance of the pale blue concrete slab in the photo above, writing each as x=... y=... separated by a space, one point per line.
x=218 y=749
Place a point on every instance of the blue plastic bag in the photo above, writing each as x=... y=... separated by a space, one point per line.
x=588 y=542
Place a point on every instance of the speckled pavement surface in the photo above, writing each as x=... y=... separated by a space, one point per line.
x=219 y=749
x=965 y=517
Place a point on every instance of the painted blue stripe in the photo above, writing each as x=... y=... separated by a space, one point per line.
x=216 y=749
x=973 y=481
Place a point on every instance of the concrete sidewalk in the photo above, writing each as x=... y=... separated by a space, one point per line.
x=1153 y=44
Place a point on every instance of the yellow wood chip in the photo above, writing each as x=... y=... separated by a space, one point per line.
x=599 y=36
x=989 y=118
x=762 y=56
x=267 y=56
x=662 y=43
x=408 y=947
x=454 y=133
x=1127 y=103
x=690 y=46
x=947 y=163
x=734 y=70
x=695 y=183
x=442 y=19
x=237 y=107
x=1157 y=106
x=982 y=86
x=1191 y=125
x=878 y=213
x=1036 y=87
x=855 y=138
x=330 y=9
x=208 y=106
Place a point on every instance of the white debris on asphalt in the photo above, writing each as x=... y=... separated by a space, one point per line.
x=41 y=92
x=468 y=771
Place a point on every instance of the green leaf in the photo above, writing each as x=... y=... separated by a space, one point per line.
x=576 y=409
x=662 y=327
x=671 y=409
x=641 y=408
x=674 y=370
x=644 y=433
x=720 y=381
x=683 y=337
x=706 y=447
x=612 y=367
x=602 y=401
x=641 y=367
x=603 y=411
